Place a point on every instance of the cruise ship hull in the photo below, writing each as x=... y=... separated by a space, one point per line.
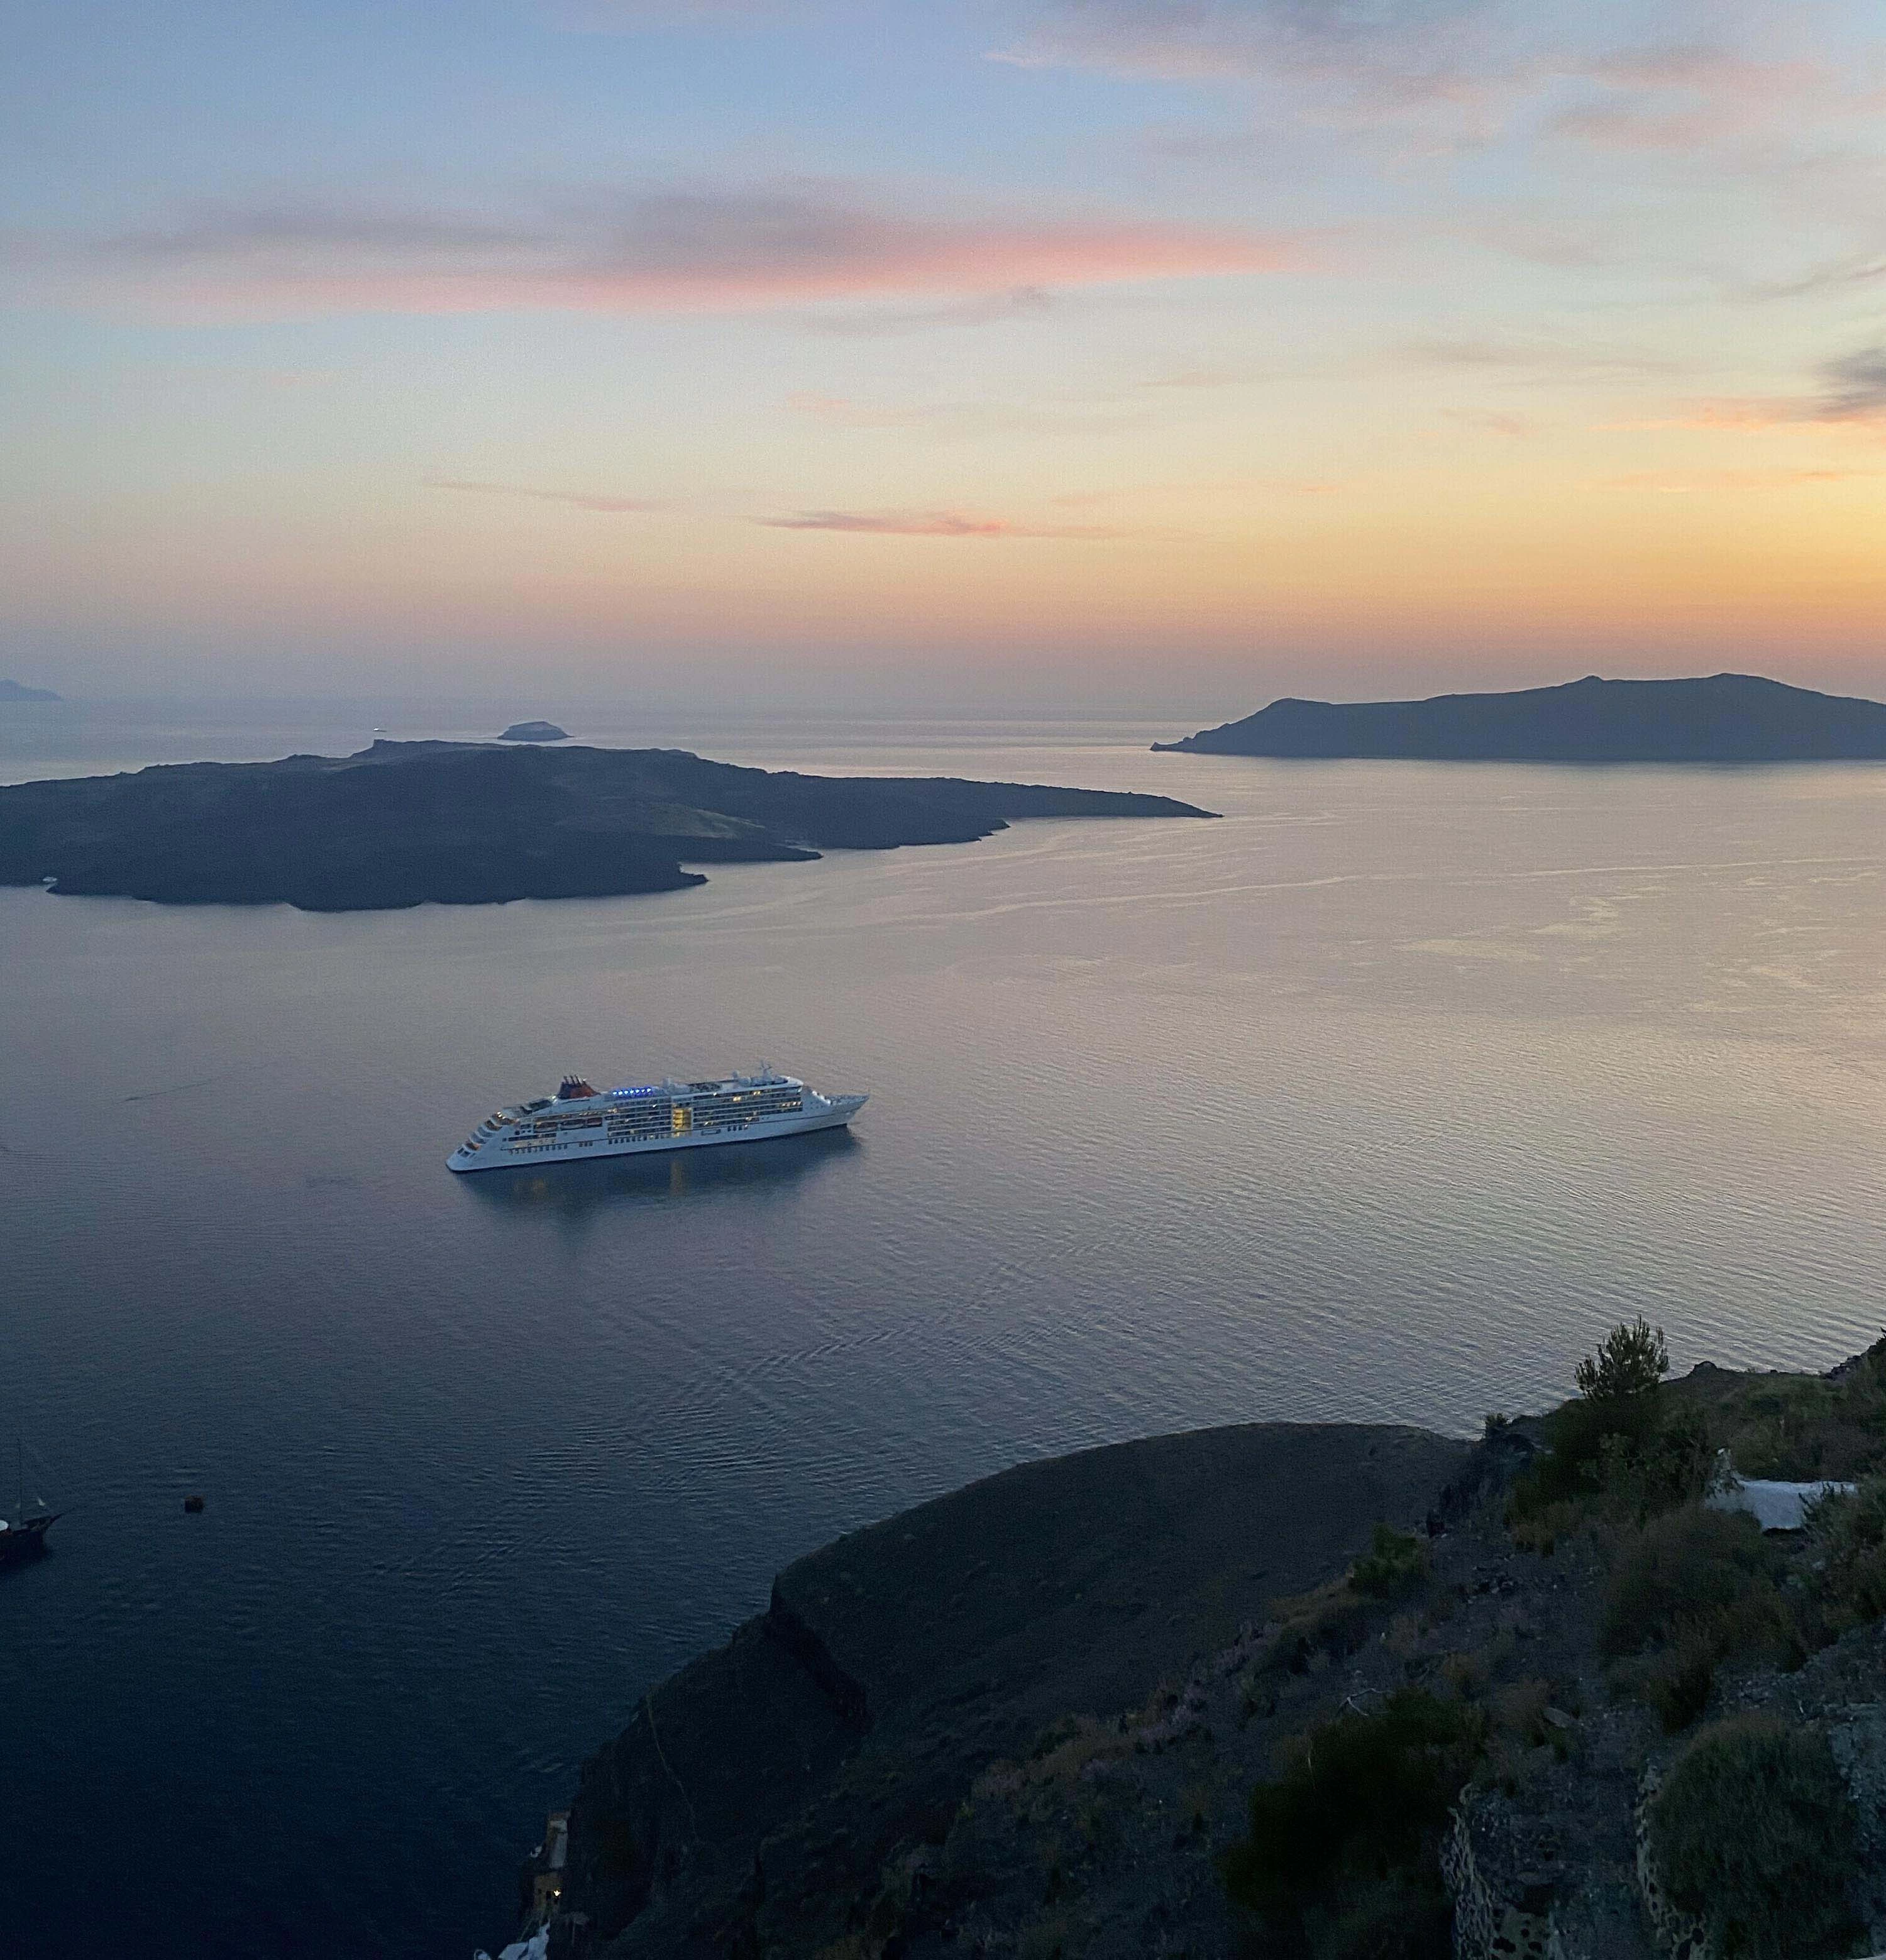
x=837 y=1112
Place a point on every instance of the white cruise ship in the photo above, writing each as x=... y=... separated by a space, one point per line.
x=580 y=1122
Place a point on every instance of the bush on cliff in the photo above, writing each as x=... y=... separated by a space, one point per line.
x=1395 y=1565
x=1630 y=1363
x=1848 y=1537
x=1342 y=1861
x=1693 y=1588
x=1797 y=1427
x=1754 y=1832
x=1313 y=1628
x=1619 y=1440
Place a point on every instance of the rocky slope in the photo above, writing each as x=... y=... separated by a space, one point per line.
x=759 y=1793
x=1326 y=1693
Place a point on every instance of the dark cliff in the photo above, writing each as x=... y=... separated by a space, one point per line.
x=1725 y=718
x=754 y=1791
x=1149 y=1699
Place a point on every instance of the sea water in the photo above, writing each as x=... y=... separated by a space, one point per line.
x=1378 y=1099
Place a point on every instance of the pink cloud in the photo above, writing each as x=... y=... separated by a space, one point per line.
x=655 y=252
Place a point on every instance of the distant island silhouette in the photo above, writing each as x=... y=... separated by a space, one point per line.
x=1723 y=718
x=12 y=690
x=472 y=823
x=535 y=731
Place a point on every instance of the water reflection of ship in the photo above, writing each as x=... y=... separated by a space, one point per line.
x=23 y=1536
x=581 y=1187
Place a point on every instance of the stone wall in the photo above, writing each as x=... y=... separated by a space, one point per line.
x=1677 y=1934
x=1487 y=1925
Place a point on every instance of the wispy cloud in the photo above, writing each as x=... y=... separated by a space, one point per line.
x=979 y=309
x=265 y=234
x=1852 y=270
x=932 y=524
x=625 y=17
x=1492 y=422
x=1186 y=379
x=648 y=251
x=1689 y=482
x=1695 y=96
x=1068 y=417
x=581 y=500
x=1852 y=388
x=1471 y=71
x=1540 y=358
x=1408 y=49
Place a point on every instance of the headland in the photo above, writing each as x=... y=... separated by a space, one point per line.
x=472 y=823
x=1324 y=1690
x=1720 y=718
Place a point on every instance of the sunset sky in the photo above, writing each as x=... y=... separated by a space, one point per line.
x=1095 y=352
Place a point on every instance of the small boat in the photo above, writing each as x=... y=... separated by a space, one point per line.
x=26 y=1539
x=23 y=1538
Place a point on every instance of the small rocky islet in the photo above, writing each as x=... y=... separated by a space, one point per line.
x=1329 y=1691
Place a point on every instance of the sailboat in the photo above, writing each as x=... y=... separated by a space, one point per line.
x=23 y=1537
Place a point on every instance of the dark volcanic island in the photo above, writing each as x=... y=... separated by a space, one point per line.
x=466 y=823
x=1724 y=718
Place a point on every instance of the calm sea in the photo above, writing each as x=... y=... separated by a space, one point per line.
x=1381 y=1098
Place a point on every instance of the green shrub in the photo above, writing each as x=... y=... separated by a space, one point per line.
x=1312 y=1627
x=1688 y=1565
x=1677 y=1680
x=1631 y=1361
x=1798 y=1426
x=1396 y=1563
x=1613 y=1423
x=1848 y=1537
x=1404 y=1915
x=1636 y=1476
x=1754 y=1832
x=1693 y=1588
x=1342 y=1854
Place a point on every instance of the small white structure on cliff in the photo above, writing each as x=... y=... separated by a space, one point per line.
x=1774 y=1507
